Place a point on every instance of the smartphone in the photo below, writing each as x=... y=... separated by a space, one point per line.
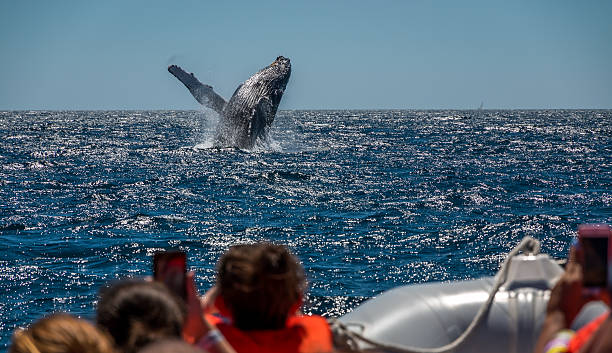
x=594 y=254
x=170 y=268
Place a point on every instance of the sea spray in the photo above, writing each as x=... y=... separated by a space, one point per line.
x=208 y=121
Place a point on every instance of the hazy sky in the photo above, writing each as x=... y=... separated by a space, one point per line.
x=414 y=54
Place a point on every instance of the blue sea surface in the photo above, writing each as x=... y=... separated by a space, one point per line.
x=368 y=200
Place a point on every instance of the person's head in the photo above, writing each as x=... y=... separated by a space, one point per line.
x=137 y=312
x=170 y=346
x=61 y=333
x=260 y=284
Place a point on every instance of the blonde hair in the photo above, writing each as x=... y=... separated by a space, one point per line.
x=60 y=333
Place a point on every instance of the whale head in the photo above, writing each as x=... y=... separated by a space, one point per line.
x=252 y=108
x=276 y=75
x=269 y=82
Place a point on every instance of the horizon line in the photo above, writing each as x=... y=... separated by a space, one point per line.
x=304 y=109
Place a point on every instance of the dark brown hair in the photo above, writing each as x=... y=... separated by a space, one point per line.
x=259 y=284
x=61 y=333
x=136 y=313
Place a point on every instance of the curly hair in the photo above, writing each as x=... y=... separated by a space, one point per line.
x=259 y=284
x=61 y=333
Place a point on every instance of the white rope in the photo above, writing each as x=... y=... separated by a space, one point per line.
x=350 y=338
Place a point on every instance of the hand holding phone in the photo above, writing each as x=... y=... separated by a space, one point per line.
x=170 y=268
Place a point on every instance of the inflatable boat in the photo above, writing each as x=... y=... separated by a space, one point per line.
x=501 y=314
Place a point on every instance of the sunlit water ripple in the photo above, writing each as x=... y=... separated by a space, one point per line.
x=368 y=200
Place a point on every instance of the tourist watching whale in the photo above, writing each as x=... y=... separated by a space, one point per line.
x=569 y=296
x=259 y=291
x=61 y=333
x=138 y=313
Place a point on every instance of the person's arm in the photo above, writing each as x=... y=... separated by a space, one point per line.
x=565 y=303
x=553 y=324
x=207 y=301
x=197 y=330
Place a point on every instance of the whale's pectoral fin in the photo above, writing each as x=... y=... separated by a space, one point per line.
x=276 y=98
x=260 y=117
x=204 y=94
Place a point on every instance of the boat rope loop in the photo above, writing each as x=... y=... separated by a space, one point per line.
x=345 y=338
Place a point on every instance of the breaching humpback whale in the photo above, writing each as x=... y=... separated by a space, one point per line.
x=250 y=112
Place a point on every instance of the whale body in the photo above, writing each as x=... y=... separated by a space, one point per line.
x=250 y=111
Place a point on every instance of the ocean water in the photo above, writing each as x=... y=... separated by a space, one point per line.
x=368 y=200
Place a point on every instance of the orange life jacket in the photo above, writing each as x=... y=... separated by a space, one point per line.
x=584 y=334
x=302 y=334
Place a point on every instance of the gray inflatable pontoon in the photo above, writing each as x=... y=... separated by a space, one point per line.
x=492 y=314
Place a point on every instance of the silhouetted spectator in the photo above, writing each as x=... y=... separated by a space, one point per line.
x=259 y=290
x=137 y=312
x=61 y=333
x=566 y=301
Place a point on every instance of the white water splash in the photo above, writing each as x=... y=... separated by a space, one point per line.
x=209 y=121
x=264 y=143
